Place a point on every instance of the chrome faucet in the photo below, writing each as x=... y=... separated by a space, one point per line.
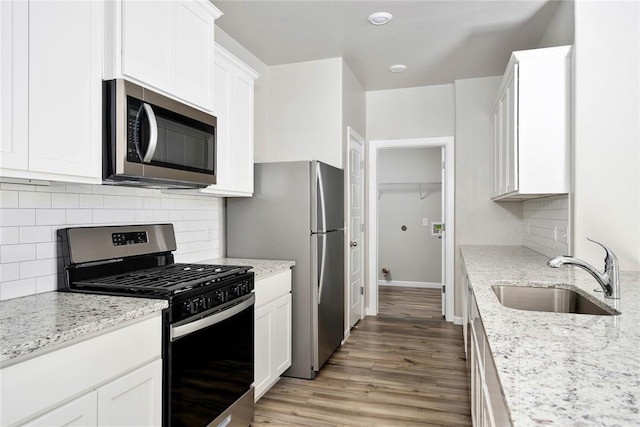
x=609 y=280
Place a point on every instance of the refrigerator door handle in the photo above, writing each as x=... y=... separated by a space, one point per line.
x=323 y=257
x=323 y=216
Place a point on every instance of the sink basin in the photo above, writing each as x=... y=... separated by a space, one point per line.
x=548 y=299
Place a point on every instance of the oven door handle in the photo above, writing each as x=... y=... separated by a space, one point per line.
x=177 y=332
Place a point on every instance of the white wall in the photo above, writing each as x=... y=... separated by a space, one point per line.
x=560 y=30
x=353 y=105
x=31 y=214
x=606 y=170
x=413 y=255
x=479 y=220
x=418 y=112
x=305 y=113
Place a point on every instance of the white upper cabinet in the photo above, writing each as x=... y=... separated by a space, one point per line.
x=166 y=45
x=233 y=107
x=530 y=126
x=50 y=115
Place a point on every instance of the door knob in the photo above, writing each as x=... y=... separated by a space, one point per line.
x=353 y=244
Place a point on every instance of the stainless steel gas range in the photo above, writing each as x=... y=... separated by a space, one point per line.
x=208 y=329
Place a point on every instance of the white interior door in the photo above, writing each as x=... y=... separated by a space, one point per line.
x=355 y=257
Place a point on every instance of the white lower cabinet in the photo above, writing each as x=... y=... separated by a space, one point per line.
x=80 y=412
x=487 y=401
x=108 y=380
x=272 y=330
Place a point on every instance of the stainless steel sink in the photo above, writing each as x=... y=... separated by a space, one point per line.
x=548 y=299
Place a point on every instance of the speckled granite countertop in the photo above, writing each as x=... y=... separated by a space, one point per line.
x=559 y=369
x=261 y=267
x=45 y=321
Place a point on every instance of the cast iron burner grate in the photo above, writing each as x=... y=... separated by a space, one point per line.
x=166 y=280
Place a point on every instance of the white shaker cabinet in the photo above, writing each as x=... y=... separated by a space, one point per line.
x=167 y=45
x=111 y=379
x=530 y=126
x=234 y=109
x=50 y=115
x=487 y=400
x=272 y=330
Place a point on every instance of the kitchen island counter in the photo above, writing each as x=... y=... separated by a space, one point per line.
x=557 y=368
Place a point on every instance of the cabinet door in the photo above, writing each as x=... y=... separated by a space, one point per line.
x=495 y=154
x=263 y=348
x=14 y=85
x=134 y=399
x=509 y=136
x=194 y=54
x=281 y=335
x=77 y=413
x=147 y=42
x=241 y=174
x=65 y=89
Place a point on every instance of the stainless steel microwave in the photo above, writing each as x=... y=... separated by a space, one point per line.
x=150 y=140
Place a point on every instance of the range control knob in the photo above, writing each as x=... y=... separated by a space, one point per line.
x=220 y=296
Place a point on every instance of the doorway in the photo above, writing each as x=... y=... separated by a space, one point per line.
x=443 y=226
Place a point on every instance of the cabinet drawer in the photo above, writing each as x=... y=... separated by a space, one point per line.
x=272 y=287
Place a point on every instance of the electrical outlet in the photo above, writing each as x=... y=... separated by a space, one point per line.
x=555 y=233
x=425 y=222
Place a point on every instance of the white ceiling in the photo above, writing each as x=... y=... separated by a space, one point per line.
x=439 y=40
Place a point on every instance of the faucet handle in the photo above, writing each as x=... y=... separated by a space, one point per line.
x=610 y=260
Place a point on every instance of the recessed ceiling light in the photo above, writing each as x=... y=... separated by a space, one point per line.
x=380 y=18
x=398 y=68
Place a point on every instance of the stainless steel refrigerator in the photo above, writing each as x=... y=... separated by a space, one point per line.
x=297 y=213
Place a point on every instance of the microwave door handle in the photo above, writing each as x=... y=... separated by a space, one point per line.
x=153 y=133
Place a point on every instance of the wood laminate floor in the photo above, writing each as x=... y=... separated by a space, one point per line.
x=404 y=367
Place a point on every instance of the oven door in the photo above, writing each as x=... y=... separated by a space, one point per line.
x=209 y=368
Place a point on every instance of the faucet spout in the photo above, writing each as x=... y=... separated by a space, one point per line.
x=609 y=280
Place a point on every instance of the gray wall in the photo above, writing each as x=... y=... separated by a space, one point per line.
x=413 y=255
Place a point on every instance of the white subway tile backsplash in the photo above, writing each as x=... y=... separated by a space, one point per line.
x=42 y=267
x=64 y=200
x=46 y=283
x=104 y=216
x=17 y=217
x=17 y=288
x=17 y=253
x=9 y=235
x=546 y=224
x=32 y=199
x=51 y=216
x=29 y=247
x=47 y=250
x=79 y=216
x=35 y=234
x=9 y=272
x=91 y=201
x=9 y=199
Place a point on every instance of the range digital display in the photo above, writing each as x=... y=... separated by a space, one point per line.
x=131 y=238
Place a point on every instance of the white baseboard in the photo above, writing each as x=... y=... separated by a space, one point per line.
x=408 y=284
x=457 y=320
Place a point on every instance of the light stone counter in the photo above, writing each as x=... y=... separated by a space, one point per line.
x=261 y=267
x=39 y=323
x=554 y=368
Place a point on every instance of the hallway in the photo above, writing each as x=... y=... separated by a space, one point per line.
x=404 y=367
